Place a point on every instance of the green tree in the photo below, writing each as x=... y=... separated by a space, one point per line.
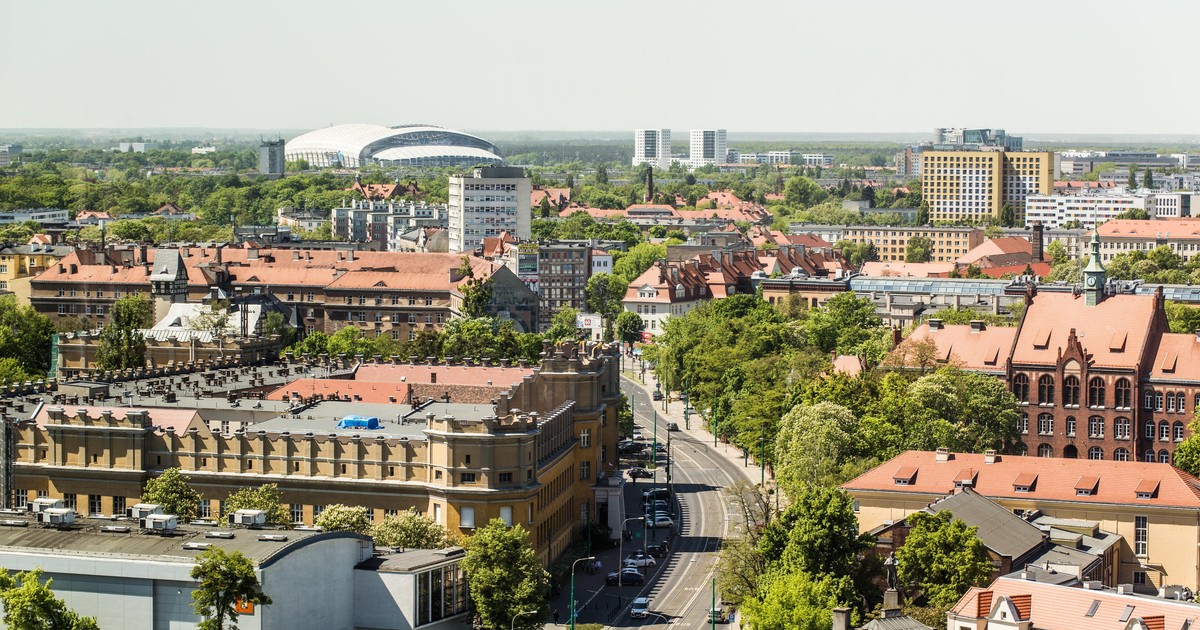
x=923 y=213
x=824 y=538
x=275 y=324
x=410 y=530
x=1148 y=179
x=30 y=604
x=1187 y=452
x=919 y=250
x=121 y=343
x=1182 y=318
x=630 y=327
x=802 y=192
x=224 y=579
x=266 y=497
x=798 y=601
x=942 y=557
x=477 y=293
x=172 y=491
x=11 y=371
x=633 y=263
x=842 y=323
x=604 y=293
x=1056 y=252
x=344 y=518
x=505 y=576
x=25 y=338
x=1131 y=183
x=812 y=443
x=562 y=326
x=1008 y=216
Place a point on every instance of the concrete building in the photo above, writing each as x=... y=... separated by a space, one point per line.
x=45 y=216
x=1088 y=209
x=962 y=138
x=823 y=160
x=270 y=158
x=135 y=147
x=5 y=156
x=563 y=272
x=653 y=147
x=1124 y=235
x=891 y=243
x=974 y=186
x=20 y=263
x=490 y=201
x=707 y=146
x=384 y=221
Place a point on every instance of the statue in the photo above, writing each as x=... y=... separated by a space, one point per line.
x=891 y=565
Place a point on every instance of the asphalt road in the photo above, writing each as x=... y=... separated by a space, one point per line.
x=680 y=590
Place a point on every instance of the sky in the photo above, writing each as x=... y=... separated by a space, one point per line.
x=1048 y=66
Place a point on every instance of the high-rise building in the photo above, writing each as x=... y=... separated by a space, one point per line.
x=270 y=158
x=963 y=138
x=492 y=200
x=653 y=147
x=970 y=186
x=707 y=147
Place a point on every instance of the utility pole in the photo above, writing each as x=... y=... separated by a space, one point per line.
x=712 y=613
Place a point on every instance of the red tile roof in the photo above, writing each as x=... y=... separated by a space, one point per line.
x=1171 y=229
x=1114 y=482
x=1051 y=317
x=979 y=351
x=1040 y=269
x=1057 y=607
x=1177 y=357
x=446 y=374
x=996 y=247
x=340 y=389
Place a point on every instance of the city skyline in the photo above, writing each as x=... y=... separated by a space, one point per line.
x=786 y=68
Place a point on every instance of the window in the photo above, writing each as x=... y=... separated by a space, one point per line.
x=1096 y=392
x=441 y=593
x=1045 y=450
x=1045 y=424
x=1122 y=428
x=94 y=504
x=466 y=517
x=20 y=498
x=585 y=438
x=468 y=478
x=1095 y=453
x=203 y=509
x=1170 y=402
x=69 y=500
x=1020 y=388
x=505 y=477
x=118 y=505
x=317 y=510
x=1164 y=431
x=585 y=470
x=1046 y=389
x=1096 y=427
x=1071 y=391
x=1149 y=457
x=1148 y=400
x=1180 y=403
x=1023 y=423
x=1158 y=401
x=1071 y=426
x=1164 y=457
x=1141 y=535
x=1177 y=430
x=1121 y=455
x=1139 y=578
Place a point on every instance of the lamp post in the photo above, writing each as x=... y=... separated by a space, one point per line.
x=572 y=602
x=513 y=625
x=621 y=556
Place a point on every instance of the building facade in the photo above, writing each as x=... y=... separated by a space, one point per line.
x=1085 y=209
x=707 y=146
x=891 y=243
x=270 y=158
x=563 y=272
x=490 y=201
x=1120 y=236
x=653 y=147
x=975 y=186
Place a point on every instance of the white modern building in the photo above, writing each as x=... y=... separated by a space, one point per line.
x=707 y=146
x=769 y=157
x=356 y=145
x=653 y=147
x=817 y=159
x=40 y=215
x=490 y=201
x=5 y=155
x=1094 y=208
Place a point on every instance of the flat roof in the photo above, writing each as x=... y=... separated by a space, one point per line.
x=406 y=561
x=322 y=419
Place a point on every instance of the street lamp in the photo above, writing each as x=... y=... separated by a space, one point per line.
x=572 y=603
x=513 y=625
x=621 y=555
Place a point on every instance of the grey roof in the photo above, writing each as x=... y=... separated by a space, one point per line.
x=410 y=560
x=167 y=264
x=929 y=286
x=1039 y=566
x=903 y=622
x=999 y=529
x=322 y=419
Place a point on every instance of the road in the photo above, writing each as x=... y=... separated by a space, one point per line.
x=680 y=589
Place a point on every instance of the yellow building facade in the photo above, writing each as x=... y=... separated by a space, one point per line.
x=974 y=186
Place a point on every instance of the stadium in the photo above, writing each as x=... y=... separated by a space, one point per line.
x=356 y=145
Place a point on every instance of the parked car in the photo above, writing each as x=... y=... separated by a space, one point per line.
x=657 y=550
x=672 y=426
x=662 y=520
x=639 y=560
x=630 y=448
x=656 y=494
x=627 y=575
x=640 y=608
x=660 y=447
x=717 y=615
x=638 y=436
x=637 y=472
x=659 y=506
x=657 y=395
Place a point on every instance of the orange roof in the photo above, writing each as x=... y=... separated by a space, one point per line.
x=1056 y=606
x=1177 y=357
x=907 y=270
x=1170 y=229
x=1115 y=483
x=446 y=374
x=1040 y=269
x=847 y=364
x=178 y=419
x=979 y=351
x=40 y=239
x=996 y=247
x=1052 y=316
x=340 y=389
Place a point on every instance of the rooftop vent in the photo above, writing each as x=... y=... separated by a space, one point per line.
x=163 y=523
x=115 y=529
x=249 y=518
x=196 y=546
x=142 y=510
x=41 y=504
x=56 y=516
x=273 y=538
x=943 y=455
x=14 y=522
x=221 y=535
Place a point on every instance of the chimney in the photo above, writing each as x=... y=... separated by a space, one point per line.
x=977 y=325
x=350 y=255
x=1038 y=241
x=295 y=254
x=990 y=457
x=935 y=324
x=1124 y=589
x=943 y=454
x=217 y=253
x=251 y=253
x=896 y=337
x=841 y=619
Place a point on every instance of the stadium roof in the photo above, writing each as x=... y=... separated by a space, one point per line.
x=357 y=144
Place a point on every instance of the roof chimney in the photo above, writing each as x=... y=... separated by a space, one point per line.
x=943 y=454
x=977 y=325
x=841 y=619
x=1038 y=241
x=990 y=457
x=935 y=324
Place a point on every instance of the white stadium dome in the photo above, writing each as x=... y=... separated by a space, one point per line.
x=355 y=145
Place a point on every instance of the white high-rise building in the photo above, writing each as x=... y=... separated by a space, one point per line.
x=653 y=147
x=707 y=147
x=492 y=200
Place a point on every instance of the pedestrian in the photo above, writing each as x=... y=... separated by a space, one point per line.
x=556 y=616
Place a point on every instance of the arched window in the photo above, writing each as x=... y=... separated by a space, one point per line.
x=1148 y=400
x=1164 y=457
x=1164 y=431
x=1196 y=402
x=1180 y=403
x=1096 y=392
x=1045 y=450
x=1124 y=394
x=1045 y=424
x=1095 y=453
x=1096 y=427
x=1177 y=430
x=1071 y=426
x=1158 y=401
x=1170 y=402
x=1070 y=452
x=1122 y=428
x=1150 y=455
x=1121 y=455
x=1046 y=390
x=1023 y=423
x=1149 y=431
x=1020 y=388
x=1071 y=391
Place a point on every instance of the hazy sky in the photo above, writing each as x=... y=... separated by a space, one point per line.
x=1097 y=66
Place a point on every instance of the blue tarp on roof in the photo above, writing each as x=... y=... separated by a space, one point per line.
x=358 y=422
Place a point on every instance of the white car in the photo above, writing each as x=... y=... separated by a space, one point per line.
x=641 y=608
x=663 y=521
x=639 y=560
x=637 y=435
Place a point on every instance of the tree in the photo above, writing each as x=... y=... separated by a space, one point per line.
x=266 y=497
x=30 y=604
x=842 y=323
x=562 y=326
x=798 y=601
x=11 y=371
x=802 y=192
x=943 y=557
x=214 y=317
x=505 y=576
x=276 y=325
x=1008 y=216
x=824 y=539
x=1131 y=183
x=812 y=443
x=1187 y=452
x=410 y=530
x=25 y=338
x=919 y=250
x=344 y=518
x=630 y=327
x=172 y=491
x=1056 y=252
x=601 y=174
x=1148 y=179
x=477 y=293
x=604 y=293
x=923 y=213
x=225 y=579
x=121 y=343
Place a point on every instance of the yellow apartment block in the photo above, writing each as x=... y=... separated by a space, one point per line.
x=973 y=186
x=891 y=243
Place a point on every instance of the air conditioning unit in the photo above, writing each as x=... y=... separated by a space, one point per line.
x=249 y=518
x=41 y=504
x=56 y=516
x=196 y=546
x=160 y=522
x=142 y=510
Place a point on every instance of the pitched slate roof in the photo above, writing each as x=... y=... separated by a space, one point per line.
x=999 y=529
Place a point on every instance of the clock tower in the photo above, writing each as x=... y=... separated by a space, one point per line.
x=1093 y=275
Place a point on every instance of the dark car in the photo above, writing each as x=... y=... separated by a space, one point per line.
x=656 y=494
x=656 y=550
x=660 y=448
x=657 y=395
x=630 y=448
x=637 y=472
x=672 y=426
x=627 y=575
